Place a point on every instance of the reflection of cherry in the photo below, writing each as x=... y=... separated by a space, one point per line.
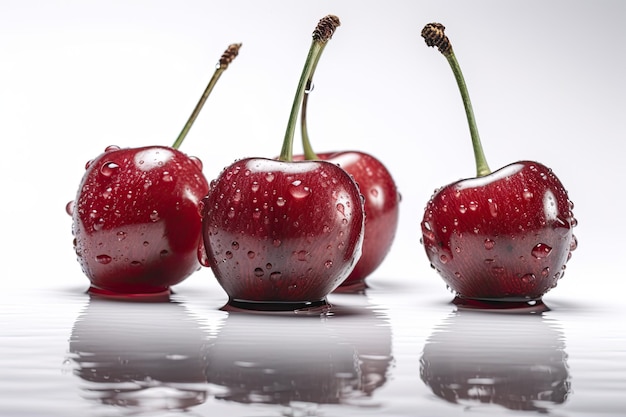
x=516 y=361
x=128 y=352
x=369 y=331
x=341 y=358
x=281 y=359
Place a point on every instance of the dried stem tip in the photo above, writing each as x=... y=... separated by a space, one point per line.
x=229 y=55
x=434 y=35
x=326 y=28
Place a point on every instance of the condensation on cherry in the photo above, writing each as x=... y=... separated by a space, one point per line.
x=69 y=208
x=109 y=168
x=167 y=177
x=528 y=278
x=541 y=250
x=299 y=191
x=103 y=259
x=154 y=216
x=197 y=162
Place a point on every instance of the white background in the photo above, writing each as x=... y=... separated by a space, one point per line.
x=546 y=79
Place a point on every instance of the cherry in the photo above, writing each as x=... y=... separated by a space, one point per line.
x=284 y=231
x=136 y=217
x=504 y=235
x=381 y=195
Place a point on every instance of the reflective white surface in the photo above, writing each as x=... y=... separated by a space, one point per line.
x=546 y=80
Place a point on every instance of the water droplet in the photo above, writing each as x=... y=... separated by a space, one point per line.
x=203 y=257
x=473 y=205
x=573 y=244
x=297 y=190
x=231 y=213
x=197 y=162
x=228 y=254
x=258 y=272
x=268 y=265
x=541 y=250
x=251 y=254
x=154 y=216
x=493 y=207
x=111 y=148
x=99 y=224
x=341 y=209
x=301 y=255
x=280 y=201
x=103 y=259
x=167 y=177
x=489 y=244
x=328 y=264
x=489 y=261
x=275 y=276
x=462 y=209
x=164 y=253
x=269 y=177
x=276 y=243
x=443 y=258
x=255 y=186
x=108 y=168
x=545 y=272
x=374 y=192
x=135 y=263
x=427 y=231
x=88 y=163
x=528 y=195
x=146 y=243
x=528 y=278
x=121 y=236
x=69 y=208
x=235 y=245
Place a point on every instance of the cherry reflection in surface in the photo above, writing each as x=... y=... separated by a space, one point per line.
x=479 y=359
x=143 y=356
x=301 y=363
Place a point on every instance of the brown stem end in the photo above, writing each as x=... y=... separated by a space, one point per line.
x=229 y=55
x=326 y=28
x=434 y=35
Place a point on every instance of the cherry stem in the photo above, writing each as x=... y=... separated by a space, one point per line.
x=321 y=35
x=227 y=57
x=433 y=34
x=304 y=131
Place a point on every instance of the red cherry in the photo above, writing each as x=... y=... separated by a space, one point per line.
x=284 y=231
x=136 y=221
x=502 y=236
x=506 y=235
x=278 y=231
x=136 y=216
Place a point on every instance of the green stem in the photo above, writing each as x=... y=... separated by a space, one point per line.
x=323 y=32
x=434 y=35
x=309 y=153
x=227 y=57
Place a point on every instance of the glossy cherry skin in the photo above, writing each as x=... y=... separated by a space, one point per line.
x=278 y=231
x=503 y=237
x=382 y=207
x=136 y=219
